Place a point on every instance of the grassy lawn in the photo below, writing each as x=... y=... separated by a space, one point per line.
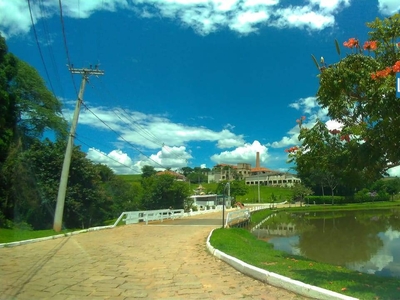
x=131 y=178
x=281 y=194
x=14 y=235
x=243 y=245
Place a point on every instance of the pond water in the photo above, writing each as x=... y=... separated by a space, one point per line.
x=367 y=241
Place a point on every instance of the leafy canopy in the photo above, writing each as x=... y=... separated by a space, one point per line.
x=359 y=93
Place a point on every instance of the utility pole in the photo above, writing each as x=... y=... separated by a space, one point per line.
x=58 y=216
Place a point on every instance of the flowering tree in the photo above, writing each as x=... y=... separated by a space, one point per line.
x=359 y=92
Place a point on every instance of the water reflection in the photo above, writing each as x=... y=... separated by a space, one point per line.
x=367 y=241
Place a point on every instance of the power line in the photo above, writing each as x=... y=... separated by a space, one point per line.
x=44 y=12
x=130 y=144
x=152 y=138
x=39 y=48
x=66 y=45
x=109 y=157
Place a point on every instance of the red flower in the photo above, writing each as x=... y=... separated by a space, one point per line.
x=351 y=43
x=370 y=45
x=303 y=118
x=292 y=149
x=396 y=67
x=345 y=138
x=334 y=131
x=383 y=73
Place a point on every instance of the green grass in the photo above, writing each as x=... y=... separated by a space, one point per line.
x=281 y=194
x=243 y=245
x=258 y=216
x=131 y=178
x=14 y=235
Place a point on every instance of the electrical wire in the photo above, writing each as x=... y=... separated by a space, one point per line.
x=152 y=138
x=39 y=48
x=44 y=12
x=66 y=45
x=82 y=142
x=130 y=144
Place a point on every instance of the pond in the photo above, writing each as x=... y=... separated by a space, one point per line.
x=367 y=241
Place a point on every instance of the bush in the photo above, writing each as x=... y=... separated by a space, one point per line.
x=324 y=199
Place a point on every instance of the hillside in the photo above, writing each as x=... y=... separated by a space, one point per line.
x=267 y=193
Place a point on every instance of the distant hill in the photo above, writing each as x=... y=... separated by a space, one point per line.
x=131 y=177
x=267 y=193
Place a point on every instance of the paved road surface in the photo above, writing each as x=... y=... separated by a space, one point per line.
x=161 y=261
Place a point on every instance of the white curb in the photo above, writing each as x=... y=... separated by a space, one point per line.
x=274 y=279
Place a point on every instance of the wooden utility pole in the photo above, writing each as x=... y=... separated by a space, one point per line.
x=58 y=216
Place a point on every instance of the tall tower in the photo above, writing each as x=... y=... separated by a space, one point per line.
x=258 y=160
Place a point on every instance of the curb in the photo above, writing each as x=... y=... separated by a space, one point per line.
x=274 y=279
x=53 y=237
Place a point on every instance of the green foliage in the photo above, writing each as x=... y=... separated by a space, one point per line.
x=148 y=171
x=243 y=245
x=163 y=191
x=358 y=92
x=300 y=192
x=8 y=112
x=197 y=177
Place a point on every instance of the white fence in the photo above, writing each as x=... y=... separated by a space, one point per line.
x=133 y=217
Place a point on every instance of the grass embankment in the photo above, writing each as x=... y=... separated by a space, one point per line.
x=14 y=235
x=243 y=245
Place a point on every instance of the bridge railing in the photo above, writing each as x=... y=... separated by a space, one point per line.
x=237 y=217
x=133 y=217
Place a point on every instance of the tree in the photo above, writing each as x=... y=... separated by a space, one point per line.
x=163 y=191
x=359 y=93
x=300 y=192
x=148 y=171
x=238 y=188
x=27 y=111
x=8 y=112
x=197 y=177
x=186 y=171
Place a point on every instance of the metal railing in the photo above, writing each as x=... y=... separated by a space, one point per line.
x=133 y=217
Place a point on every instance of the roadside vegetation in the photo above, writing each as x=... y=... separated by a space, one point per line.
x=241 y=244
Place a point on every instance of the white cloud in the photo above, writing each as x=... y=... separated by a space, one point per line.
x=332 y=125
x=145 y=133
x=167 y=157
x=121 y=163
x=309 y=107
x=389 y=7
x=303 y=17
x=204 y=16
x=242 y=154
x=330 y=5
x=290 y=140
x=305 y=104
x=152 y=131
x=16 y=17
x=117 y=160
x=395 y=171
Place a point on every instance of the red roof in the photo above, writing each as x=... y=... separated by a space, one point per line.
x=167 y=172
x=260 y=169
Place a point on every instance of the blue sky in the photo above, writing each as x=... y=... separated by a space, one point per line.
x=187 y=83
